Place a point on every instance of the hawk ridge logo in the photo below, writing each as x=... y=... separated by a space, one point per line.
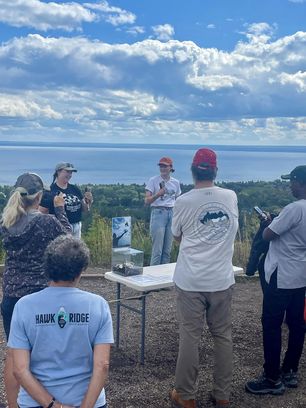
x=62 y=317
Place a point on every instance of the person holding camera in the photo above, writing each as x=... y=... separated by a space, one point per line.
x=75 y=202
x=284 y=292
x=161 y=193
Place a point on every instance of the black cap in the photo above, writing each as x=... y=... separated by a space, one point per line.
x=29 y=183
x=298 y=174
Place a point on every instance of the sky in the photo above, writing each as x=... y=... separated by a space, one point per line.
x=153 y=71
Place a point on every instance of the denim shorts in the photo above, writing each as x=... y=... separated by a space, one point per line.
x=7 y=308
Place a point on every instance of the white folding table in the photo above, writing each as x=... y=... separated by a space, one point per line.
x=154 y=278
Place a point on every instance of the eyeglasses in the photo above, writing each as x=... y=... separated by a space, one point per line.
x=163 y=166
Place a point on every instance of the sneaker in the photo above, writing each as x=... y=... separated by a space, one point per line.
x=178 y=402
x=264 y=385
x=290 y=379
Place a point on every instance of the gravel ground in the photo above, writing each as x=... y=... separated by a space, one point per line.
x=132 y=385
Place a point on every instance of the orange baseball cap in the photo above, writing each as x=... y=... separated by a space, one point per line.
x=166 y=161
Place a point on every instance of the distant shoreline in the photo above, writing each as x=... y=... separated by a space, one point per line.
x=257 y=148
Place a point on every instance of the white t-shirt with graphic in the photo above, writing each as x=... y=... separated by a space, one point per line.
x=60 y=326
x=207 y=219
x=172 y=188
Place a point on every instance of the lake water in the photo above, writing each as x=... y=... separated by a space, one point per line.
x=112 y=163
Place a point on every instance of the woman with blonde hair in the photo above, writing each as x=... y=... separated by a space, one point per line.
x=25 y=233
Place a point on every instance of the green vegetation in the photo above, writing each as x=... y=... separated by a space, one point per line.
x=128 y=200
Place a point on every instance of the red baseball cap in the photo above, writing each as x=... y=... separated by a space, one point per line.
x=205 y=158
x=166 y=161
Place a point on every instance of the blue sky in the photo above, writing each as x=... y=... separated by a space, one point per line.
x=153 y=71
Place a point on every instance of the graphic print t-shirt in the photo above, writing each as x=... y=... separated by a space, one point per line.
x=60 y=326
x=207 y=218
x=73 y=201
x=172 y=190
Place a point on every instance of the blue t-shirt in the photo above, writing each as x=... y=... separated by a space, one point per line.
x=60 y=326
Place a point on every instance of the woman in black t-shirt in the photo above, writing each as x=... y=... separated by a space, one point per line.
x=75 y=202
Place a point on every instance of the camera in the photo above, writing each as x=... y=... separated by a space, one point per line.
x=260 y=213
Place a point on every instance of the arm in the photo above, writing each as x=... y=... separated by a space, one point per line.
x=269 y=235
x=99 y=375
x=21 y=363
x=43 y=210
x=150 y=197
x=60 y=213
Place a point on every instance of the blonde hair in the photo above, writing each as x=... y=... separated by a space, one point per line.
x=17 y=206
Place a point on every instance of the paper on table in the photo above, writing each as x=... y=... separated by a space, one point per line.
x=150 y=278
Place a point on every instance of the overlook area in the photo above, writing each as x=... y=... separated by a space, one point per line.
x=132 y=385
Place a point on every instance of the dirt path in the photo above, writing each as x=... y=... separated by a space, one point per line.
x=132 y=385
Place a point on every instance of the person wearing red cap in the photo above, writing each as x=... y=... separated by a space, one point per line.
x=205 y=222
x=161 y=193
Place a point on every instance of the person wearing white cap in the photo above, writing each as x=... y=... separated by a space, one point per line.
x=75 y=202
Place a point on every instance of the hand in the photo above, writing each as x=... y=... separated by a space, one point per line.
x=88 y=197
x=59 y=200
x=161 y=192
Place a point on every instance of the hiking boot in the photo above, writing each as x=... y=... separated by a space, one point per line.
x=264 y=385
x=290 y=379
x=178 y=402
x=221 y=403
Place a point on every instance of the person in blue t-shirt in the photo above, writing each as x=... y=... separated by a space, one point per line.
x=60 y=337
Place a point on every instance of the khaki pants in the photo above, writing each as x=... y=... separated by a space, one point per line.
x=191 y=308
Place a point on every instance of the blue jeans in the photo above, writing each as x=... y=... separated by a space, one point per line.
x=161 y=235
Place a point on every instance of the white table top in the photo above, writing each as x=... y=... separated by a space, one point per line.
x=153 y=277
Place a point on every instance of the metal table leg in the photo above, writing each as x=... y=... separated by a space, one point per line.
x=143 y=327
x=118 y=304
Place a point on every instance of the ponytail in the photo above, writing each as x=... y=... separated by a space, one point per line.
x=16 y=206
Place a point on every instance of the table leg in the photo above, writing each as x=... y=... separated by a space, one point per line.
x=118 y=314
x=143 y=327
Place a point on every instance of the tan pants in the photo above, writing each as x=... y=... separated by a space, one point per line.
x=191 y=308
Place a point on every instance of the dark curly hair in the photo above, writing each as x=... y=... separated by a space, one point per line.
x=65 y=258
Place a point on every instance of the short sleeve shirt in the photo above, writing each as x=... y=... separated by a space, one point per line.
x=287 y=253
x=172 y=188
x=207 y=221
x=60 y=326
x=73 y=201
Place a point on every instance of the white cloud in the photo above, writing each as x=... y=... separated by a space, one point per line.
x=211 y=26
x=113 y=15
x=297 y=1
x=163 y=32
x=135 y=30
x=60 y=16
x=151 y=89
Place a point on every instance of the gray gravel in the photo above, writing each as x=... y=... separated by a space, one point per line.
x=132 y=385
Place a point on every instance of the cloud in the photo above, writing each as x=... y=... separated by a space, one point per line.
x=135 y=30
x=153 y=89
x=210 y=26
x=60 y=16
x=163 y=32
x=297 y=1
x=113 y=15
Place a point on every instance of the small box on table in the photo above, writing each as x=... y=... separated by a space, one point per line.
x=127 y=261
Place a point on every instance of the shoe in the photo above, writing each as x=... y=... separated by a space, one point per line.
x=264 y=385
x=178 y=402
x=221 y=403
x=290 y=379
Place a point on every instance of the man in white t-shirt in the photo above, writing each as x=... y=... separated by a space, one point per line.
x=205 y=222
x=285 y=274
x=161 y=193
